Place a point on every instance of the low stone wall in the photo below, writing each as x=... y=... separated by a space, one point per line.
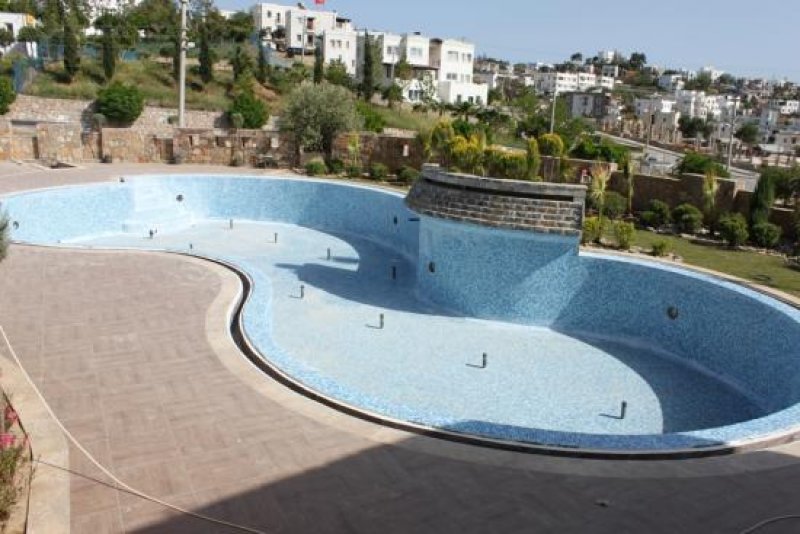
x=59 y=142
x=532 y=206
x=16 y=143
x=124 y=145
x=394 y=150
x=223 y=147
x=34 y=109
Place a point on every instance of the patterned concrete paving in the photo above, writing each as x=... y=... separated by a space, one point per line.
x=130 y=350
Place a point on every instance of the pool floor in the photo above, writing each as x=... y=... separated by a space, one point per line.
x=427 y=362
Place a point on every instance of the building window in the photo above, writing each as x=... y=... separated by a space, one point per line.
x=452 y=76
x=415 y=51
x=452 y=56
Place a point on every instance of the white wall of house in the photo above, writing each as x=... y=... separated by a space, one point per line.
x=454 y=60
x=645 y=107
x=269 y=17
x=14 y=22
x=457 y=92
x=786 y=107
x=417 y=50
x=341 y=45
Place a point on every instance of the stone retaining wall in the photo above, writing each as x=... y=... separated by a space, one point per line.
x=532 y=206
x=34 y=109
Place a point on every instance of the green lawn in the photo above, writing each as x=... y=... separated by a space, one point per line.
x=154 y=79
x=766 y=270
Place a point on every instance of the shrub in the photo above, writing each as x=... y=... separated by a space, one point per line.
x=378 y=171
x=373 y=121
x=657 y=215
x=465 y=154
x=694 y=163
x=592 y=230
x=615 y=205
x=253 y=110
x=661 y=247
x=551 y=145
x=688 y=219
x=120 y=103
x=533 y=160
x=354 y=171
x=7 y=94
x=623 y=233
x=766 y=235
x=501 y=163
x=408 y=174
x=733 y=229
x=316 y=167
x=336 y=166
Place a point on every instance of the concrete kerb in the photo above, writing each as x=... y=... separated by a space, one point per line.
x=49 y=496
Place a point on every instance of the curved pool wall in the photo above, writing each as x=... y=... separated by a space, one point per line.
x=742 y=337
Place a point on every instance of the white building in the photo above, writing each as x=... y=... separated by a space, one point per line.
x=646 y=107
x=442 y=66
x=14 y=22
x=786 y=107
x=454 y=62
x=98 y=7
x=341 y=45
x=671 y=82
x=568 y=82
x=691 y=104
x=269 y=17
x=714 y=74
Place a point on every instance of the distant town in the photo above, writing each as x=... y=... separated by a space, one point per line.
x=750 y=121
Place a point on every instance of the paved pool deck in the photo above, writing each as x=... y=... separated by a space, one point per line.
x=131 y=351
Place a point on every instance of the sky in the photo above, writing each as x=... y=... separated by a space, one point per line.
x=746 y=38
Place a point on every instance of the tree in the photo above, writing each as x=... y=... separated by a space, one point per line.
x=533 y=159
x=748 y=134
x=637 y=61
x=206 y=56
x=601 y=174
x=253 y=111
x=403 y=70
x=336 y=73
x=694 y=127
x=551 y=145
x=577 y=57
x=120 y=103
x=242 y=63
x=762 y=200
x=319 y=65
x=72 y=59
x=262 y=68
x=393 y=94
x=710 y=189
x=106 y=24
x=367 y=88
x=316 y=114
x=733 y=229
x=240 y=26
x=701 y=83
x=29 y=34
x=7 y=94
x=6 y=37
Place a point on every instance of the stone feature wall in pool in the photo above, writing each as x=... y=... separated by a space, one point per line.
x=544 y=208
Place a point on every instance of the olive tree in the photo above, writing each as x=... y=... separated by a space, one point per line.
x=316 y=114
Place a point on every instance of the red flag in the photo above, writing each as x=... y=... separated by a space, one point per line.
x=319 y=2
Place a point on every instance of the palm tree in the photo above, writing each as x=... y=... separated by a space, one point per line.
x=628 y=173
x=601 y=174
x=710 y=188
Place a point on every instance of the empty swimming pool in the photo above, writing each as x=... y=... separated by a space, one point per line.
x=467 y=330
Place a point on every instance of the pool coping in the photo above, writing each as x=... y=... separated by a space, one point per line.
x=245 y=346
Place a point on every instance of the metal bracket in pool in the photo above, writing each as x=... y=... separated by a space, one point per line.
x=484 y=362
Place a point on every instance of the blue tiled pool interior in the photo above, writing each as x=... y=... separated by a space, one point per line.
x=568 y=338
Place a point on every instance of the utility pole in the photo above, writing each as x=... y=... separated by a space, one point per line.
x=730 y=138
x=182 y=81
x=553 y=112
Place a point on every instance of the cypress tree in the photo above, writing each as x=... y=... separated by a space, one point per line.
x=368 y=80
x=109 y=52
x=72 y=58
x=262 y=70
x=319 y=67
x=206 y=59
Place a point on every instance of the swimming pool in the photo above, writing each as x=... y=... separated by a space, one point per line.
x=700 y=363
